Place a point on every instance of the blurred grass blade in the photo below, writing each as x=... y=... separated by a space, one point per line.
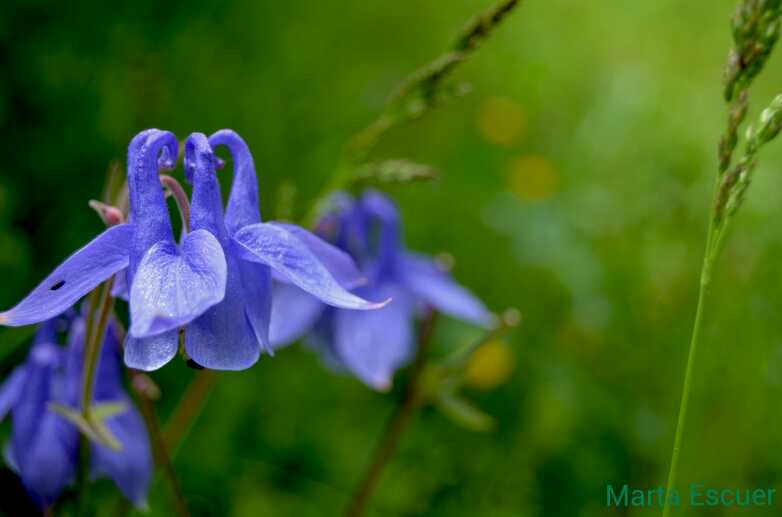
x=394 y=171
x=463 y=413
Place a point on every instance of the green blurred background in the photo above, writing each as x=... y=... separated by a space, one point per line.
x=576 y=180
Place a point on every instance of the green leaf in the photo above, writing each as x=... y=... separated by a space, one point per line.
x=93 y=426
x=463 y=413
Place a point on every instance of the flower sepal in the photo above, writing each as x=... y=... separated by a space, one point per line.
x=91 y=423
x=462 y=412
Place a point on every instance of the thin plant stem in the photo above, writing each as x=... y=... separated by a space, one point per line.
x=755 y=28
x=180 y=197
x=421 y=91
x=696 y=332
x=92 y=309
x=396 y=425
x=93 y=345
x=713 y=248
x=188 y=409
x=162 y=457
x=101 y=304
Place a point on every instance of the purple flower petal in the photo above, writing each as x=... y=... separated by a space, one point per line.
x=150 y=353
x=257 y=293
x=12 y=390
x=281 y=250
x=379 y=205
x=44 y=445
x=223 y=338
x=78 y=275
x=435 y=287
x=31 y=404
x=120 y=287
x=294 y=312
x=174 y=286
x=34 y=394
x=48 y=464
x=339 y=263
x=381 y=208
x=130 y=468
x=373 y=344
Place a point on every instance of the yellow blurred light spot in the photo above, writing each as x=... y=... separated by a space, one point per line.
x=501 y=120
x=532 y=178
x=490 y=366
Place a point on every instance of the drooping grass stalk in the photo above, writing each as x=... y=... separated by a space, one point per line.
x=755 y=31
x=396 y=424
x=419 y=93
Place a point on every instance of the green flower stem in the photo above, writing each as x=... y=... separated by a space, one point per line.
x=101 y=304
x=396 y=425
x=93 y=344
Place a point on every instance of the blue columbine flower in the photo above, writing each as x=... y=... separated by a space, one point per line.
x=170 y=284
x=372 y=345
x=175 y=283
x=229 y=335
x=215 y=282
x=44 y=447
